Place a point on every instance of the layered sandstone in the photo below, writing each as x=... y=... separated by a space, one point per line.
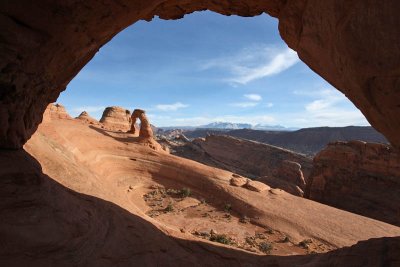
x=116 y=118
x=359 y=177
x=285 y=169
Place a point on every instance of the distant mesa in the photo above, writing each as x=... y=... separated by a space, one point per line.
x=85 y=117
x=116 y=119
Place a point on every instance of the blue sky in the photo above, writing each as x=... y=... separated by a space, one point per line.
x=205 y=68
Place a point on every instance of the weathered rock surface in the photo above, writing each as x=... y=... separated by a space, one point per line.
x=116 y=118
x=146 y=130
x=55 y=111
x=282 y=184
x=291 y=172
x=259 y=161
x=238 y=180
x=85 y=117
x=360 y=177
x=256 y=186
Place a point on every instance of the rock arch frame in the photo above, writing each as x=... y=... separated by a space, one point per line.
x=354 y=45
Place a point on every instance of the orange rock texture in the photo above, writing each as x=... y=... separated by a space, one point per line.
x=360 y=177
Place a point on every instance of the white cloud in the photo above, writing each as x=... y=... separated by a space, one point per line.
x=171 y=107
x=253 y=97
x=254 y=63
x=330 y=108
x=244 y=104
x=270 y=105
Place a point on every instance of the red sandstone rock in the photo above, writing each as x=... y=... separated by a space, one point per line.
x=85 y=117
x=290 y=171
x=116 y=118
x=55 y=111
x=256 y=186
x=359 y=177
x=238 y=181
x=146 y=130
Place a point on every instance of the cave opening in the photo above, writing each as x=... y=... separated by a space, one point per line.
x=80 y=197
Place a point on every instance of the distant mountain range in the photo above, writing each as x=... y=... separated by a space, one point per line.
x=307 y=141
x=232 y=126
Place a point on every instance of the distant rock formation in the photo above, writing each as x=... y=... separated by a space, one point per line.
x=116 y=118
x=145 y=127
x=273 y=165
x=85 y=117
x=359 y=177
x=307 y=141
x=55 y=111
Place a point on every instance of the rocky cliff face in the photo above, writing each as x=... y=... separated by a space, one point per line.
x=276 y=166
x=360 y=177
x=116 y=118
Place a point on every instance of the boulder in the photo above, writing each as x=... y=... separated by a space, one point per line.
x=256 y=186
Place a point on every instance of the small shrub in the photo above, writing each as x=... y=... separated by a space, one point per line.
x=286 y=240
x=305 y=243
x=169 y=208
x=223 y=239
x=185 y=192
x=244 y=219
x=266 y=247
x=227 y=207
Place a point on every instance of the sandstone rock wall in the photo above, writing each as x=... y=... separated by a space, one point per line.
x=360 y=177
x=116 y=118
x=276 y=166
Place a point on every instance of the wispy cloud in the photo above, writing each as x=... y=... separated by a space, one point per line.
x=329 y=107
x=244 y=104
x=254 y=63
x=270 y=105
x=88 y=109
x=253 y=97
x=171 y=107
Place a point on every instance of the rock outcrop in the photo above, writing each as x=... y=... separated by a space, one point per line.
x=146 y=130
x=55 y=111
x=85 y=117
x=259 y=161
x=359 y=177
x=116 y=119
